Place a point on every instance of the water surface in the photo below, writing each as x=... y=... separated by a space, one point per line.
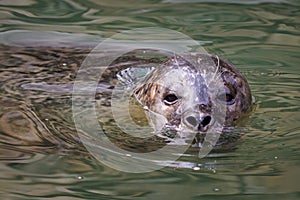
x=44 y=42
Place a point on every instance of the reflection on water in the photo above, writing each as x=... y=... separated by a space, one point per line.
x=42 y=46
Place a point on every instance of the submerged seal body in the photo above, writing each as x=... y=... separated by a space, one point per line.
x=180 y=92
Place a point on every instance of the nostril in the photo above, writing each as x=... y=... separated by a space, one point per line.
x=206 y=120
x=192 y=121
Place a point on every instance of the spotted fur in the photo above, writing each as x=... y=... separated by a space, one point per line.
x=150 y=92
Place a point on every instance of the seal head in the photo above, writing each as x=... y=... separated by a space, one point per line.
x=183 y=94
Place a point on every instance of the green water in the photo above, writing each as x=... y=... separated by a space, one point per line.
x=45 y=41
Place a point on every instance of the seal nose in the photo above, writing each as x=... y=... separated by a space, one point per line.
x=198 y=123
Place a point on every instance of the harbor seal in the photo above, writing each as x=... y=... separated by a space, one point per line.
x=179 y=92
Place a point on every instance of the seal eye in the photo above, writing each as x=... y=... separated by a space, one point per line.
x=229 y=99
x=226 y=98
x=170 y=99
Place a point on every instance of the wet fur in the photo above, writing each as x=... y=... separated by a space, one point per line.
x=148 y=92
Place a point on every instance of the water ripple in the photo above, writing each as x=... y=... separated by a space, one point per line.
x=42 y=46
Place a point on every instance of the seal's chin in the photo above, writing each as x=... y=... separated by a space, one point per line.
x=182 y=134
x=179 y=133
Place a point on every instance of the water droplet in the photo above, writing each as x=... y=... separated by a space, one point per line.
x=275 y=157
x=196 y=168
x=79 y=177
